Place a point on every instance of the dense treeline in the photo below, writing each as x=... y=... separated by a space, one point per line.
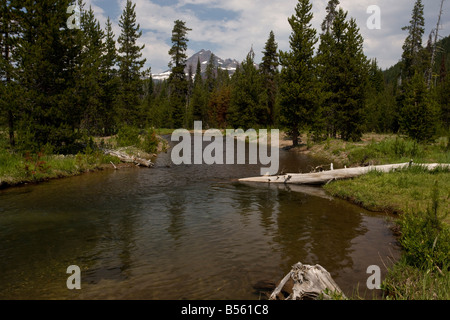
x=60 y=85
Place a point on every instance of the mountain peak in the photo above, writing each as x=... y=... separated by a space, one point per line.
x=203 y=56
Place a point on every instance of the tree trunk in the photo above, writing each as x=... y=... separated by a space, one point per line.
x=12 y=140
x=309 y=283
x=295 y=135
x=320 y=178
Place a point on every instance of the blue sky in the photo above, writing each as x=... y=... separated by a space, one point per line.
x=230 y=28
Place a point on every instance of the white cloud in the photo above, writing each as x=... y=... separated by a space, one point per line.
x=233 y=36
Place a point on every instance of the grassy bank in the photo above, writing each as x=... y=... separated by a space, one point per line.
x=19 y=167
x=419 y=197
x=402 y=191
x=377 y=149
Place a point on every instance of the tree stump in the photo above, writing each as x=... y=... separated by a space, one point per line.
x=309 y=283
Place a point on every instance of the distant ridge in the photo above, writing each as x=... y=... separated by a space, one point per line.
x=443 y=52
x=204 y=56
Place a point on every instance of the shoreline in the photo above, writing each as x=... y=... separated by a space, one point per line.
x=54 y=167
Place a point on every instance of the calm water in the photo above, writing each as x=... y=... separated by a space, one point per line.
x=186 y=232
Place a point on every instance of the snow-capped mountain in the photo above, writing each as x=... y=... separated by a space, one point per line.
x=203 y=56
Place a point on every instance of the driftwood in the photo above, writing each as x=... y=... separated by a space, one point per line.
x=130 y=159
x=315 y=191
x=309 y=283
x=319 y=178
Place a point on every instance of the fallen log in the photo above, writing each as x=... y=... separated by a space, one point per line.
x=309 y=283
x=129 y=159
x=323 y=177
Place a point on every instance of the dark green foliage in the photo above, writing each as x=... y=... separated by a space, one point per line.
x=426 y=236
x=299 y=85
x=150 y=141
x=9 y=91
x=419 y=110
x=198 y=98
x=218 y=106
x=110 y=82
x=89 y=79
x=412 y=57
x=47 y=55
x=130 y=67
x=344 y=73
x=380 y=112
x=269 y=71
x=246 y=109
x=179 y=85
x=210 y=81
x=130 y=136
x=353 y=81
x=58 y=85
x=443 y=92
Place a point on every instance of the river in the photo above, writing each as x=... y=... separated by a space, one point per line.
x=182 y=232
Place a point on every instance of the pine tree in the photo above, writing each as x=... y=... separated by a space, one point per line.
x=343 y=70
x=269 y=70
x=198 y=100
x=110 y=81
x=218 y=106
x=177 y=80
x=444 y=94
x=89 y=78
x=418 y=116
x=246 y=108
x=412 y=48
x=353 y=93
x=298 y=88
x=130 y=67
x=417 y=106
x=210 y=81
x=9 y=90
x=327 y=24
x=333 y=28
x=47 y=56
x=380 y=107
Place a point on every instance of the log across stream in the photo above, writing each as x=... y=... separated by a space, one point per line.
x=324 y=177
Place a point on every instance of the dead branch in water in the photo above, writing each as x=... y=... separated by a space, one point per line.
x=309 y=283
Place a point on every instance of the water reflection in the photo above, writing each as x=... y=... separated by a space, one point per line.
x=187 y=232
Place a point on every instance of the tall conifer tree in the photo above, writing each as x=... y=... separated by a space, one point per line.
x=177 y=80
x=9 y=89
x=46 y=56
x=90 y=76
x=412 y=48
x=130 y=66
x=298 y=87
x=246 y=109
x=110 y=81
x=269 y=70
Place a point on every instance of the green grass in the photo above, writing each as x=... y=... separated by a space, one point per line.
x=379 y=149
x=420 y=198
x=406 y=282
x=163 y=131
x=16 y=168
x=401 y=191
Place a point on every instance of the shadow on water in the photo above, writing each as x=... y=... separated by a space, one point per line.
x=180 y=232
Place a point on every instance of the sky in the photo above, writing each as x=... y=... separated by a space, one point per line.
x=231 y=28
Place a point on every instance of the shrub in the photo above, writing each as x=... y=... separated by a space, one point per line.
x=150 y=143
x=425 y=236
x=128 y=136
